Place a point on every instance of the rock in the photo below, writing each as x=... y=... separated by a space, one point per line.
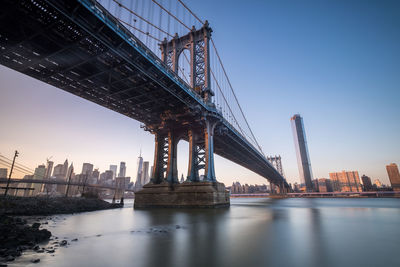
x=35 y=260
x=177 y=227
x=36 y=247
x=13 y=252
x=51 y=250
x=36 y=225
x=75 y=239
x=40 y=251
x=9 y=258
x=3 y=265
x=98 y=235
x=63 y=242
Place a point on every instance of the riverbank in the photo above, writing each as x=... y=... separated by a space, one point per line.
x=46 y=206
x=17 y=235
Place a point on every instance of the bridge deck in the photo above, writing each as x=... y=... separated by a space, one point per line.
x=80 y=48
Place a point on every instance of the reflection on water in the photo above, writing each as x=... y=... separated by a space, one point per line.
x=252 y=232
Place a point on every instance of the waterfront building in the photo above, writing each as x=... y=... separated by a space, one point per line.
x=122 y=169
x=367 y=184
x=87 y=169
x=114 y=168
x=324 y=185
x=345 y=181
x=394 y=176
x=303 y=158
x=3 y=172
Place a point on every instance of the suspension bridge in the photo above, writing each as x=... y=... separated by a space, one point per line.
x=153 y=61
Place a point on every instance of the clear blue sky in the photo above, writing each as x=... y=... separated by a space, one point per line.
x=337 y=63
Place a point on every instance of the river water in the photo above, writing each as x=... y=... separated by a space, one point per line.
x=252 y=232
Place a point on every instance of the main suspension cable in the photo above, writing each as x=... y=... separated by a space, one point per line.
x=230 y=85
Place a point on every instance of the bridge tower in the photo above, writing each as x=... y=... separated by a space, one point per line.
x=198 y=43
x=191 y=124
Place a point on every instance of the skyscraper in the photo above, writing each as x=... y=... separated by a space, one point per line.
x=394 y=176
x=145 y=173
x=49 y=169
x=65 y=168
x=139 y=173
x=114 y=168
x=122 y=169
x=303 y=158
x=39 y=174
x=87 y=169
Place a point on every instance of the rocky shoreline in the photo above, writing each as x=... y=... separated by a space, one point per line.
x=25 y=206
x=18 y=234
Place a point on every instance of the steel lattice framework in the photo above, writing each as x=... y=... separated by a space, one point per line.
x=79 y=47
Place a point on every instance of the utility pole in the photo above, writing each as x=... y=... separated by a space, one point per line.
x=9 y=177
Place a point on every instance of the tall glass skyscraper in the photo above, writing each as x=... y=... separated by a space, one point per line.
x=303 y=158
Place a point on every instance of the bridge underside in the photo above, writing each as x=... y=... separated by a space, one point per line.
x=88 y=53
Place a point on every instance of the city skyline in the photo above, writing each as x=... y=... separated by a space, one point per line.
x=360 y=135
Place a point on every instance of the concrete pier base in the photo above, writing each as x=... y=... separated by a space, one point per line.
x=184 y=195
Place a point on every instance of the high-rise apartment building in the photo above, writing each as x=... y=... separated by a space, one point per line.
x=394 y=176
x=345 y=181
x=122 y=169
x=367 y=184
x=303 y=158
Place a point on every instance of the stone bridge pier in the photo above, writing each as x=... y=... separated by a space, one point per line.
x=164 y=189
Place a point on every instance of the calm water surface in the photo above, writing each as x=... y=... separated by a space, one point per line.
x=252 y=232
